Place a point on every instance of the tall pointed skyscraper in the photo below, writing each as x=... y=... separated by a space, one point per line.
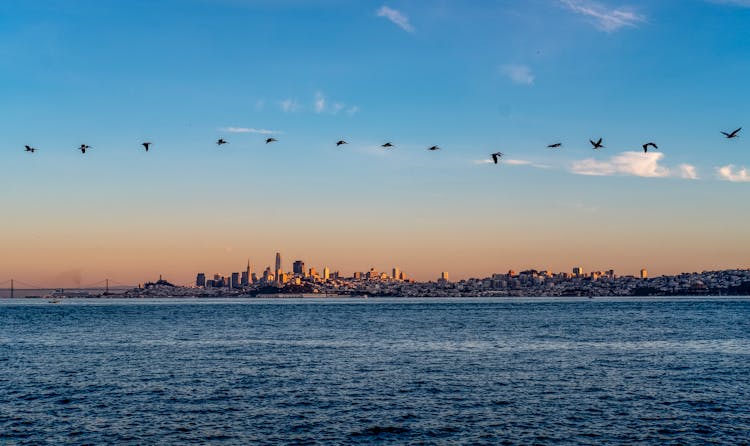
x=245 y=280
x=278 y=270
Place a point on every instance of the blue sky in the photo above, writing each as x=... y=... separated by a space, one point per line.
x=471 y=77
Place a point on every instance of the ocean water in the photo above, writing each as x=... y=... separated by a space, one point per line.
x=375 y=371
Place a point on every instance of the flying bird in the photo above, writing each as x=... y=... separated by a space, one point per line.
x=338 y=143
x=496 y=156
x=30 y=149
x=597 y=145
x=270 y=140
x=555 y=145
x=146 y=145
x=387 y=145
x=734 y=134
x=433 y=148
x=220 y=142
x=647 y=145
x=83 y=148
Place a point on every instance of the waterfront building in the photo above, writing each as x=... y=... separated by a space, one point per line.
x=282 y=278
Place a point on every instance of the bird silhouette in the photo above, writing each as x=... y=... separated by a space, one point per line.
x=496 y=156
x=270 y=140
x=433 y=148
x=83 y=148
x=647 y=145
x=146 y=145
x=30 y=149
x=597 y=145
x=220 y=142
x=340 y=142
x=555 y=145
x=734 y=134
x=387 y=145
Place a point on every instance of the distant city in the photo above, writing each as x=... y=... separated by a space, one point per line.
x=308 y=281
x=303 y=281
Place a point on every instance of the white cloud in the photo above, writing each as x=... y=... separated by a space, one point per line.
x=260 y=104
x=513 y=162
x=289 y=105
x=632 y=163
x=688 y=172
x=397 y=17
x=351 y=111
x=519 y=74
x=604 y=18
x=320 y=102
x=735 y=175
x=250 y=130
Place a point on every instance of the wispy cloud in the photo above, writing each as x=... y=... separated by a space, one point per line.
x=397 y=17
x=320 y=102
x=687 y=171
x=733 y=174
x=289 y=105
x=250 y=130
x=632 y=163
x=513 y=162
x=519 y=74
x=606 y=19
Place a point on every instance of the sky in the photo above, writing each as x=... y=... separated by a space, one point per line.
x=471 y=77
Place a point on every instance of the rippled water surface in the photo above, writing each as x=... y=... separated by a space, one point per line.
x=388 y=371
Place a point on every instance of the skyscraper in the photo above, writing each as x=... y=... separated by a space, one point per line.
x=326 y=273
x=298 y=267
x=246 y=275
x=277 y=271
x=235 y=280
x=396 y=274
x=200 y=280
x=644 y=274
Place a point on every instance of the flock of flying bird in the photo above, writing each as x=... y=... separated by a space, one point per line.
x=497 y=156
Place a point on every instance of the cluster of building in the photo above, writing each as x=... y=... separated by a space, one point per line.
x=529 y=283
x=277 y=277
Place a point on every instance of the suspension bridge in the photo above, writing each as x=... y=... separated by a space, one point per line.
x=11 y=288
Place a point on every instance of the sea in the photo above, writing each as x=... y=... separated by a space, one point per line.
x=375 y=371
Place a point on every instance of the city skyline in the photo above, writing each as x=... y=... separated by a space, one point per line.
x=472 y=79
x=280 y=275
